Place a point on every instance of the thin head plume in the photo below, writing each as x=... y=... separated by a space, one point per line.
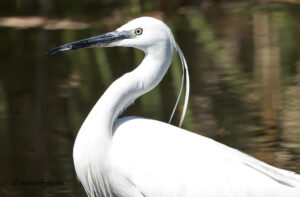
x=185 y=72
x=187 y=83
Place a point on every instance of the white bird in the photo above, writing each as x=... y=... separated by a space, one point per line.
x=139 y=157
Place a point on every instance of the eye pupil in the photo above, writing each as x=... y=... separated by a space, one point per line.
x=138 y=31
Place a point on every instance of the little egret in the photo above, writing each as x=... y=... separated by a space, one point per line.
x=139 y=157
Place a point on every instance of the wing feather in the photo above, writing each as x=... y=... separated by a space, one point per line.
x=163 y=160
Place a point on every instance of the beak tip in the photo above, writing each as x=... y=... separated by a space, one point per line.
x=57 y=50
x=49 y=53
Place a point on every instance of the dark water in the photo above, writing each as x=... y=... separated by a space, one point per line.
x=244 y=61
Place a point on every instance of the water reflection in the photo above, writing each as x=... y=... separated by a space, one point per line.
x=244 y=64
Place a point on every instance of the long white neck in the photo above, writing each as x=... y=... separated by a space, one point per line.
x=94 y=138
x=129 y=87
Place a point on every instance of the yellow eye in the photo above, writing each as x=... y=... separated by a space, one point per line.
x=138 y=31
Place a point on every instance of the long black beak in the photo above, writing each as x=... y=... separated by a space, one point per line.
x=101 y=41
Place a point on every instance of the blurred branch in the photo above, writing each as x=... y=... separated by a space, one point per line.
x=38 y=21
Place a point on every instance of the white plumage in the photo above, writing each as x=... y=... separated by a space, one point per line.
x=137 y=157
x=163 y=160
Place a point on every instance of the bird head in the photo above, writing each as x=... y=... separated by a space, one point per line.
x=142 y=33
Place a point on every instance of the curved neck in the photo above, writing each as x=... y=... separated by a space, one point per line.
x=94 y=138
x=129 y=87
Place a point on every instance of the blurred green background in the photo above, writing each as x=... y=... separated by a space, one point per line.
x=244 y=62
